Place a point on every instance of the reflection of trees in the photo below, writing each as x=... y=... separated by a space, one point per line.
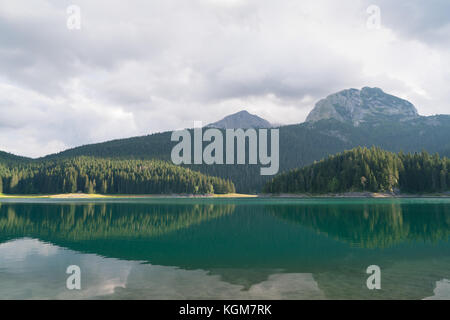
x=371 y=225
x=103 y=221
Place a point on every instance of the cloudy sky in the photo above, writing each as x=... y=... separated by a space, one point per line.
x=137 y=67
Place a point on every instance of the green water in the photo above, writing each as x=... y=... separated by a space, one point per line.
x=225 y=248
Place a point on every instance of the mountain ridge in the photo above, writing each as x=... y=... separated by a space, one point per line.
x=6 y=157
x=300 y=145
x=242 y=119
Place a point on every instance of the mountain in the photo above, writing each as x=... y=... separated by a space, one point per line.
x=300 y=144
x=365 y=105
x=241 y=119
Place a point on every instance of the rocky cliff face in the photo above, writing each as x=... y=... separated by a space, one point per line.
x=365 y=105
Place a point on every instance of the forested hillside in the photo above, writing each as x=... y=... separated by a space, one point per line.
x=6 y=157
x=363 y=169
x=94 y=175
x=300 y=145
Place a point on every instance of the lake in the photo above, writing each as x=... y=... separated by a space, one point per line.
x=225 y=248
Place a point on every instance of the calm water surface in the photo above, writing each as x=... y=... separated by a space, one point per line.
x=225 y=249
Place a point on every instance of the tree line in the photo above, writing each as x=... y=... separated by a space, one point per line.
x=372 y=170
x=300 y=145
x=107 y=176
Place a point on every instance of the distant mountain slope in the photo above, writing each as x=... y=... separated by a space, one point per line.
x=241 y=119
x=359 y=106
x=7 y=157
x=300 y=145
x=154 y=146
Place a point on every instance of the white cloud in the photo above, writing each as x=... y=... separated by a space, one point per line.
x=148 y=66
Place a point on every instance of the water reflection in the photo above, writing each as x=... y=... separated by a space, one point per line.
x=41 y=267
x=372 y=225
x=253 y=249
x=103 y=221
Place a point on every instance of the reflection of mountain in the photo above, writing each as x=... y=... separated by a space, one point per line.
x=103 y=221
x=372 y=225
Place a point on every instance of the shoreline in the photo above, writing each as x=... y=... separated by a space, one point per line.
x=356 y=195
x=124 y=196
x=348 y=195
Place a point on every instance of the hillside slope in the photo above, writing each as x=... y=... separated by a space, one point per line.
x=9 y=157
x=363 y=169
x=300 y=145
x=95 y=175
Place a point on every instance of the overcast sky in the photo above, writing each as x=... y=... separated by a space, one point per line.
x=137 y=67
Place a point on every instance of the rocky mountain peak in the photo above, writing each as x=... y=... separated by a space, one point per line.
x=365 y=105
